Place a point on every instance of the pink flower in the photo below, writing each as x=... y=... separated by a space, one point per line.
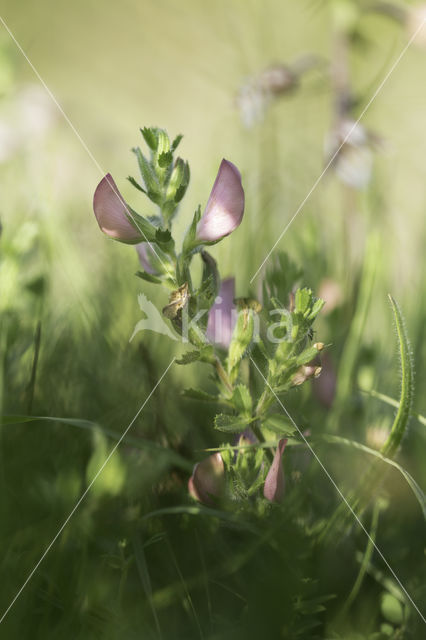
x=222 y=315
x=113 y=214
x=207 y=482
x=273 y=489
x=225 y=206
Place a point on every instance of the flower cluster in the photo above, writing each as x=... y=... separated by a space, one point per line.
x=223 y=330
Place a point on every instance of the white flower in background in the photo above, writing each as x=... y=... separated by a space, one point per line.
x=276 y=80
x=348 y=147
x=376 y=436
x=35 y=111
x=256 y=94
x=26 y=117
x=252 y=103
x=415 y=22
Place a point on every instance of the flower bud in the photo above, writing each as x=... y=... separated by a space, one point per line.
x=178 y=182
x=222 y=315
x=113 y=214
x=225 y=206
x=148 y=258
x=273 y=489
x=207 y=483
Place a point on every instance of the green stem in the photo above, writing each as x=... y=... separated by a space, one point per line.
x=365 y=560
x=223 y=375
x=402 y=417
x=360 y=498
x=351 y=348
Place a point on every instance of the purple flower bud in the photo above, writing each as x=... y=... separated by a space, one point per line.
x=207 y=482
x=273 y=489
x=146 y=254
x=225 y=206
x=222 y=315
x=112 y=213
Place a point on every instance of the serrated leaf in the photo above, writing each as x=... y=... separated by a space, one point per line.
x=163 y=142
x=189 y=356
x=316 y=308
x=150 y=137
x=199 y=394
x=240 y=341
x=230 y=424
x=163 y=236
x=136 y=184
x=302 y=300
x=148 y=175
x=176 y=142
x=165 y=159
x=307 y=355
x=242 y=400
x=278 y=423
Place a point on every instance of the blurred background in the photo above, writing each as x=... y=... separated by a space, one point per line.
x=274 y=87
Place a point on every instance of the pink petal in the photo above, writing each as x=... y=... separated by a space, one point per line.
x=144 y=252
x=111 y=212
x=273 y=489
x=208 y=479
x=222 y=315
x=225 y=206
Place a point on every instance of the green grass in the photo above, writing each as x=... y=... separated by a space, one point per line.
x=139 y=559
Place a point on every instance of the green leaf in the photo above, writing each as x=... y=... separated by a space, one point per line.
x=279 y=423
x=420 y=496
x=165 y=159
x=136 y=184
x=302 y=300
x=242 y=400
x=76 y=422
x=146 y=229
x=150 y=136
x=148 y=175
x=231 y=424
x=140 y=443
x=240 y=341
x=148 y=277
x=306 y=356
x=199 y=394
x=163 y=143
x=393 y=403
x=316 y=308
x=176 y=142
x=189 y=356
x=163 y=236
x=189 y=242
x=407 y=386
